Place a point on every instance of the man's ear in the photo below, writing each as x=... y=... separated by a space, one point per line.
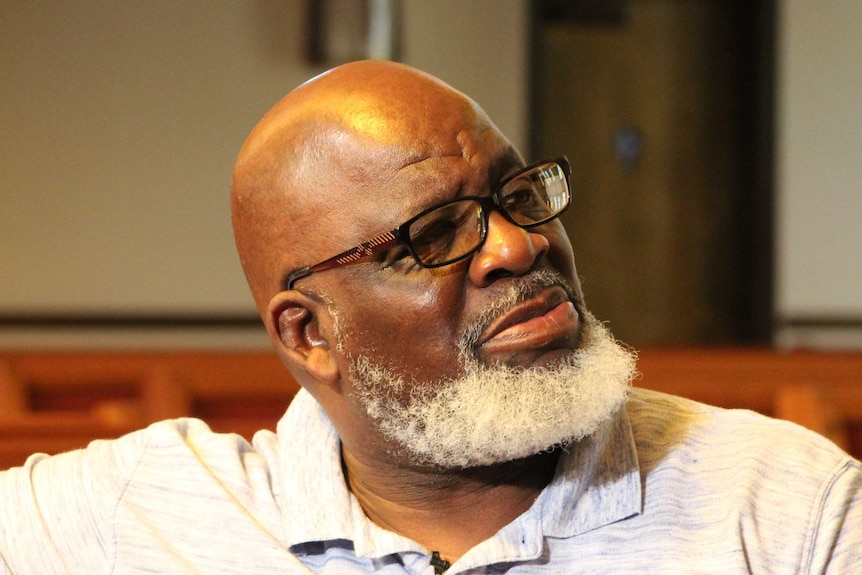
x=293 y=322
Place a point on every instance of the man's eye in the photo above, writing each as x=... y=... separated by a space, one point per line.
x=434 y=241
x=521 y=198
x=526 y=201
x=438 y=233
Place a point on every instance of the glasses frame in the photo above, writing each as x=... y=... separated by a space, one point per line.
x=399 y=235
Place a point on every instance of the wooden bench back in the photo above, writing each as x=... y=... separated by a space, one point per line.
x=52 y=402
x=56 y=401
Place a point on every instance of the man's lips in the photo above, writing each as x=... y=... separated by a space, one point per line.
x=534 y=324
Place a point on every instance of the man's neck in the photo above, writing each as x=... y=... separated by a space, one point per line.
x=448 y=511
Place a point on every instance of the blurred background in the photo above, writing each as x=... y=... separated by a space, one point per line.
x=715 y=149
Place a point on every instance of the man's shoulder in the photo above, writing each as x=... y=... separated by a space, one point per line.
x=168 y=446
x=655 y=412
x=190 y=446
x=182 y=464
x=668 y=428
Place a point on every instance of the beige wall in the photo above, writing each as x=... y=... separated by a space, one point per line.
x=819 y=174
x=120 y=123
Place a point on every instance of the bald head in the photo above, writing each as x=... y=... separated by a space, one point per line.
x=321 y=155
x=348 y=157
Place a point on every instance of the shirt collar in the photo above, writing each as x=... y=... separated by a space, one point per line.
x=597 y=482
x=317 y=506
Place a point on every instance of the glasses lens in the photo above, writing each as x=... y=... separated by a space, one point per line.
x=536 y=196
x=447 y=233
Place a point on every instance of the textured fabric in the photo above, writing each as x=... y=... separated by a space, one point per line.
x=670 y=486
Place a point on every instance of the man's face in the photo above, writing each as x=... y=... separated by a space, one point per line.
x=411 y=319
x=515 y=304
x=488 y=360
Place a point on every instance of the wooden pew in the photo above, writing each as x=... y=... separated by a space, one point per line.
x=55 y=401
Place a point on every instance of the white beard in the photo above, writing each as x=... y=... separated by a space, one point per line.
x=495 y=414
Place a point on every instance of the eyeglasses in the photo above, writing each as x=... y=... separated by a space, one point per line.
x=451 y=231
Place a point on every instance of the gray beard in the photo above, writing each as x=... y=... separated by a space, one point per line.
x=495 y=414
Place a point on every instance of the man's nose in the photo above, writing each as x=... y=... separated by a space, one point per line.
x=508 y=250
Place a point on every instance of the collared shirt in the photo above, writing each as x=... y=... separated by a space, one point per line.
x=669 y=486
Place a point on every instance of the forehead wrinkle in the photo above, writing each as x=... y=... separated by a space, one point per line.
x=412 y=164
x=444 y=187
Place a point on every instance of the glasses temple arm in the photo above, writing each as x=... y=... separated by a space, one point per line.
x=374 y=246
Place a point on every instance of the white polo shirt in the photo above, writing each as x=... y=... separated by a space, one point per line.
x=669 y=486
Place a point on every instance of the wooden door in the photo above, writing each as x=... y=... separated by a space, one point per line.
x=651 y=106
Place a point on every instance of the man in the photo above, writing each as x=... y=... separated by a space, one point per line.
x=461 y=410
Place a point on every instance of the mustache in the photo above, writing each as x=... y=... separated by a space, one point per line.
x=517 y=291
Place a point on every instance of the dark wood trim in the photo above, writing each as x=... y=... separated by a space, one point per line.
x=125 y=321
x=825 y=322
